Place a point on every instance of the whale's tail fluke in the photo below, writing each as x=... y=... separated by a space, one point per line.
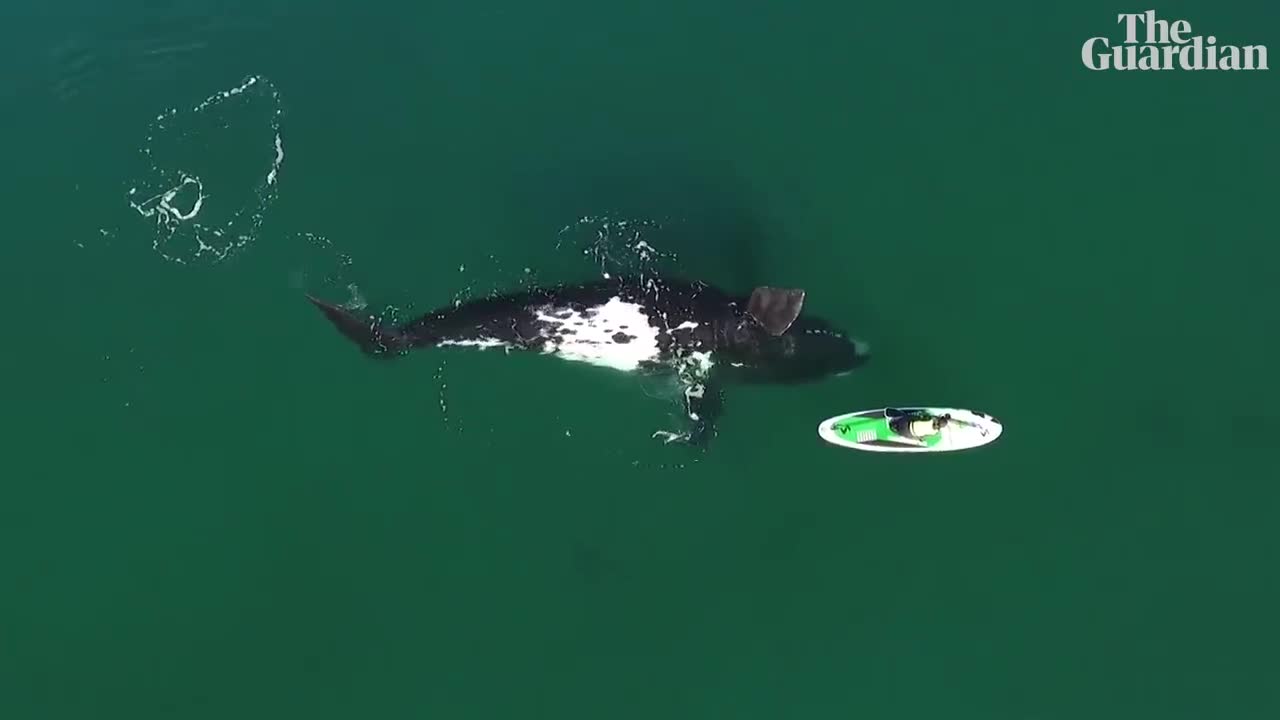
x=368 y=333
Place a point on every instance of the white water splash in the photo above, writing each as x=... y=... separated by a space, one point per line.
x=182 y=231
x=318 y=267
x=616 y=246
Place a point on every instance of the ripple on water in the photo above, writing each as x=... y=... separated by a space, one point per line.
x=92 y=53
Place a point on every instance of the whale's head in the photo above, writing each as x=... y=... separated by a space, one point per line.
x=772 y=342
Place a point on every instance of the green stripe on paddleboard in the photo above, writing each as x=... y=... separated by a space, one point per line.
x=852 y=428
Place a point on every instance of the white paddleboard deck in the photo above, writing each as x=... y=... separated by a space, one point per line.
x=869 y=430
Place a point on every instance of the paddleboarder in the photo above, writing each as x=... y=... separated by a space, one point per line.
x=917 y=425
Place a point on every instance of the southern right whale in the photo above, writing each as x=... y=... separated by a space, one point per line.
x=705 y=335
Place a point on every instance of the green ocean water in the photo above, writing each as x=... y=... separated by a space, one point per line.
x=211 y=506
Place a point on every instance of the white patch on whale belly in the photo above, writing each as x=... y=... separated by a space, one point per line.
x=592 y=337
x=482 y=343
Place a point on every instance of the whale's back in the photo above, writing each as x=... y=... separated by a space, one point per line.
x=627 y=326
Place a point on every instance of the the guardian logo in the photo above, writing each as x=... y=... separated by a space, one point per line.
x=1166 y=46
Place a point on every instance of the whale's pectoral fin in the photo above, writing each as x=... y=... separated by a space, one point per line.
x=775 y=308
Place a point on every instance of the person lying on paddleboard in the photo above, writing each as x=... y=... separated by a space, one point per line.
x=918 y=424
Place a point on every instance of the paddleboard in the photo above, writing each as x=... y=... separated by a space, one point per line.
x=870 y=430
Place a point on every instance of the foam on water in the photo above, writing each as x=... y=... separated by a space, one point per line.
x=698 y=363
x=615 y=246
x=180 y=232
x=319 y=267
